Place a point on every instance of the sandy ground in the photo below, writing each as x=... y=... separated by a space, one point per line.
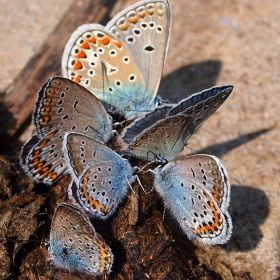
x=212 y=42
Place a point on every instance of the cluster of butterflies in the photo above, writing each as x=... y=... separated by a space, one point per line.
x=117 y=69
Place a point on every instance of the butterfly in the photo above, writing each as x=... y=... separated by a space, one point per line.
x=62 y=105
x=196 y=190
x=101 y=177
x=122 y=63
x=75 y=245
x=161 y=134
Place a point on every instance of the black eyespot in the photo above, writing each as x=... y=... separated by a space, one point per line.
x=130 y=39
x=136 y=31
x=149 y=48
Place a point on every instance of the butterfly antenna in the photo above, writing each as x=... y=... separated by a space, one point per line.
x=163 y=214
x=129 y=183
x=136 y=178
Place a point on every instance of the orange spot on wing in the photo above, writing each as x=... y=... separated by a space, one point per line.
x=103 y=209
x=153 y=130
x=144 y=137
x=46 y=110
x=92 y=40
x=52 y=134
x=39 y=165
x=51 y=91
x=95 y=204
x=118 y=44
x=85 y=45
x=102 y=257
x=84 y=181
x=53 y=176
x=102 y=267
x=216 y=197
x=57 y=82
x=84 y=190
x=37 y=153
x=78 y=65
x=81 y=54
x=77 y=79
x=43 y=143
x=133 y=19
x=48 y=100
x=141 y=14
x=124 y=26
x=45 y=120
x=105 y=41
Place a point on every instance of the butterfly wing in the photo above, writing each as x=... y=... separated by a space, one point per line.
x=202 y=105
x=26 y=148
x=138 y=125
x=62 y=105
x=74 y=244
x=196 y=190
x=99 y=61
x=162 y=141
x=145 y=29
x=100 y=174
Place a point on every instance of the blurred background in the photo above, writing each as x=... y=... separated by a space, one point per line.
x=212 y=43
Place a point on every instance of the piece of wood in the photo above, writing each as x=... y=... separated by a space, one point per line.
x=18 y=101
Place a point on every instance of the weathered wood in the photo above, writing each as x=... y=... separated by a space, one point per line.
x=18 y=101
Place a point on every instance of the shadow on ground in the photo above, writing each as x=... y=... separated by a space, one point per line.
x=249 y=208
x=189 y=79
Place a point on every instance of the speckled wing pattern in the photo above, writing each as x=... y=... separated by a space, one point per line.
x=122 y=63
x=75 y=245
x=145 y=29
x=172 y=126
x=196 y=190
x=62 y=106
x=99 y=61
x=101 y=176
